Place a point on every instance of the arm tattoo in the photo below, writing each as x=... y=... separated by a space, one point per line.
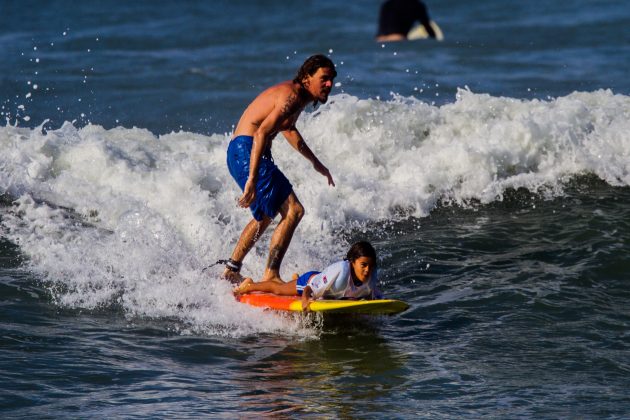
x=290 y=106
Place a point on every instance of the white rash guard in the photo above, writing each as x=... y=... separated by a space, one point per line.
x=335 y=282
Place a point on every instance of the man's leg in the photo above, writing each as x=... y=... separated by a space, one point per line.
x=248 y=238
x=292 y=212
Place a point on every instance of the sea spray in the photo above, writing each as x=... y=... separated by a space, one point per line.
x=121 y=218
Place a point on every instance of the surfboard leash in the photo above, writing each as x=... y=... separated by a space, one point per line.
x=230 y=264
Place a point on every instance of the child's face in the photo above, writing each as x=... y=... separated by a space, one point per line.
x=362 y=268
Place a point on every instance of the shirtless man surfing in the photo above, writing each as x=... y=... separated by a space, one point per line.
x=266 y=191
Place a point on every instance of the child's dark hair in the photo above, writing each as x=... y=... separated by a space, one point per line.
x=361 y=249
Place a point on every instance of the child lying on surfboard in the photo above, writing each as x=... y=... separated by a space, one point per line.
x=353 y=278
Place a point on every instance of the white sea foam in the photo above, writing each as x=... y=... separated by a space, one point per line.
x=123 y=218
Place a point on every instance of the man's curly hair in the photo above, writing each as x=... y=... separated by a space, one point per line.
x=311 y=65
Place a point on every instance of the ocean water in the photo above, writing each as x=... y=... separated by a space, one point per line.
x=490 y=170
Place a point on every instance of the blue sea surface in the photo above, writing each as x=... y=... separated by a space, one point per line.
x=490 y=170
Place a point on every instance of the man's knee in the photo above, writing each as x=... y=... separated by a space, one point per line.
x=296 y=211
x=292 y=210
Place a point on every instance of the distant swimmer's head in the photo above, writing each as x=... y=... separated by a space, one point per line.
x=362 y=257
x=316 y=76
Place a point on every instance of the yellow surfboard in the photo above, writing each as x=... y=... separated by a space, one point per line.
x=294 y=304
x=419 y=32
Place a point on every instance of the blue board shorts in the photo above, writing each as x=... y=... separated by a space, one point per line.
x=302 y=281
x=272 y=187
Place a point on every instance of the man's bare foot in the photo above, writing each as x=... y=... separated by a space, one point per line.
x=272 y=277
x=233 y=277
x=244 y=287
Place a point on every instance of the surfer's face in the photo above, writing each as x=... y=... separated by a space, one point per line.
x=362 y=268
x=320 y=84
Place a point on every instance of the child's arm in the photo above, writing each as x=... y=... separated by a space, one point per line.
x=376 y=292
x=307 y=294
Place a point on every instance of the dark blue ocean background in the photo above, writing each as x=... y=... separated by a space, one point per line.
x=491 y=170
